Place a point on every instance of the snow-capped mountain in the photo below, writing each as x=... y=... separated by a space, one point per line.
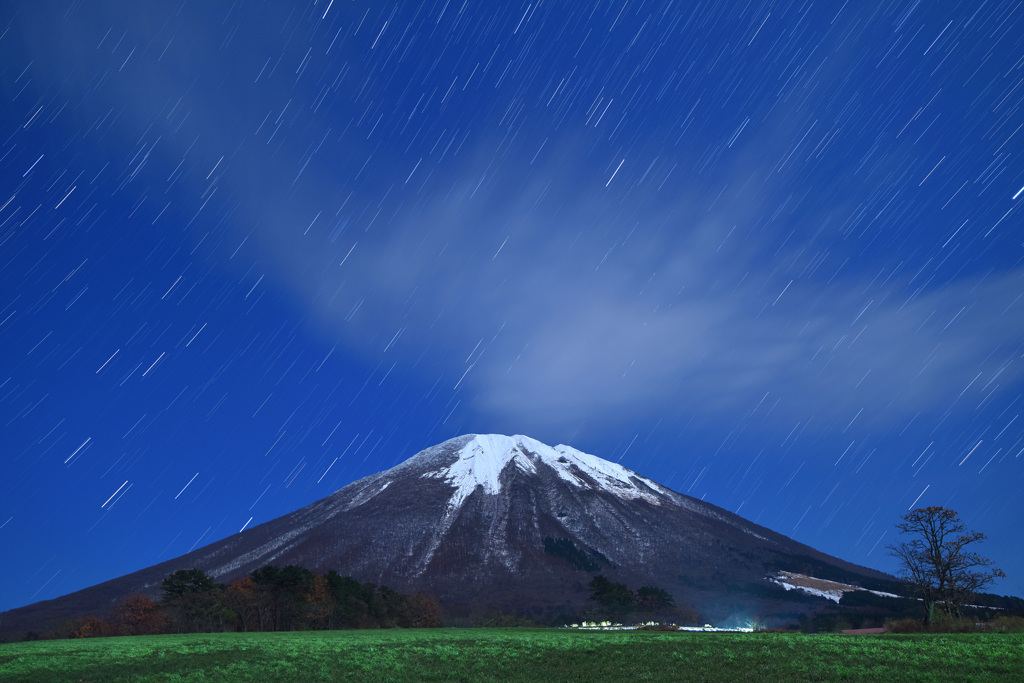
x=482 y=459
x=506 y=522
x=478 y=504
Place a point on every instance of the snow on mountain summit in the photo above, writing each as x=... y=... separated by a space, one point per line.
x=483 y=457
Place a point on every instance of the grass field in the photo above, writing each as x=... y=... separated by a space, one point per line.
x=518 y=655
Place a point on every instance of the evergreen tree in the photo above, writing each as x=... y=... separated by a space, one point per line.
x=615 y=599
x=193 y=602
x=653 y=599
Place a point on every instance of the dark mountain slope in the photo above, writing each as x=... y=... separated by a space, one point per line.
x=497 y=522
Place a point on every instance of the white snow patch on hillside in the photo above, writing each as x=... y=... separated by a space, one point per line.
x=482 y=459
x=834 y=595
x=831 y=590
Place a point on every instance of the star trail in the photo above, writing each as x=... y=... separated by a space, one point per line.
x=768 y=254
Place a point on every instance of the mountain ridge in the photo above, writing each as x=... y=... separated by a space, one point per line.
x=467 y=520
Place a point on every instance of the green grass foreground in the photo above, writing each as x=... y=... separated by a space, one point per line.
x=518 y=655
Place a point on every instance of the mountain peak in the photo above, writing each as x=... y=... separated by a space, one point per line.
x=487 y=520
x=482 y=458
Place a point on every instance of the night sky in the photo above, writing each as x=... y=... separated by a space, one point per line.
x=768 y=254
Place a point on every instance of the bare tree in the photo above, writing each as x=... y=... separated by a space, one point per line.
x=936 y=560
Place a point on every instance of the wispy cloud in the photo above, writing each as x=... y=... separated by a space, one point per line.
x=551 y=288
x=548 y=303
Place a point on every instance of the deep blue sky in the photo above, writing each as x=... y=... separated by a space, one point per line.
x=765 y=253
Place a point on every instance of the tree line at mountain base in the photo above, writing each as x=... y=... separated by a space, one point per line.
x=617 y=602
x=296 y=599
x=270 y=599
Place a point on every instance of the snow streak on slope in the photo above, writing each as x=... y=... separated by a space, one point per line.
x=823 y=588
x=483 y=457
